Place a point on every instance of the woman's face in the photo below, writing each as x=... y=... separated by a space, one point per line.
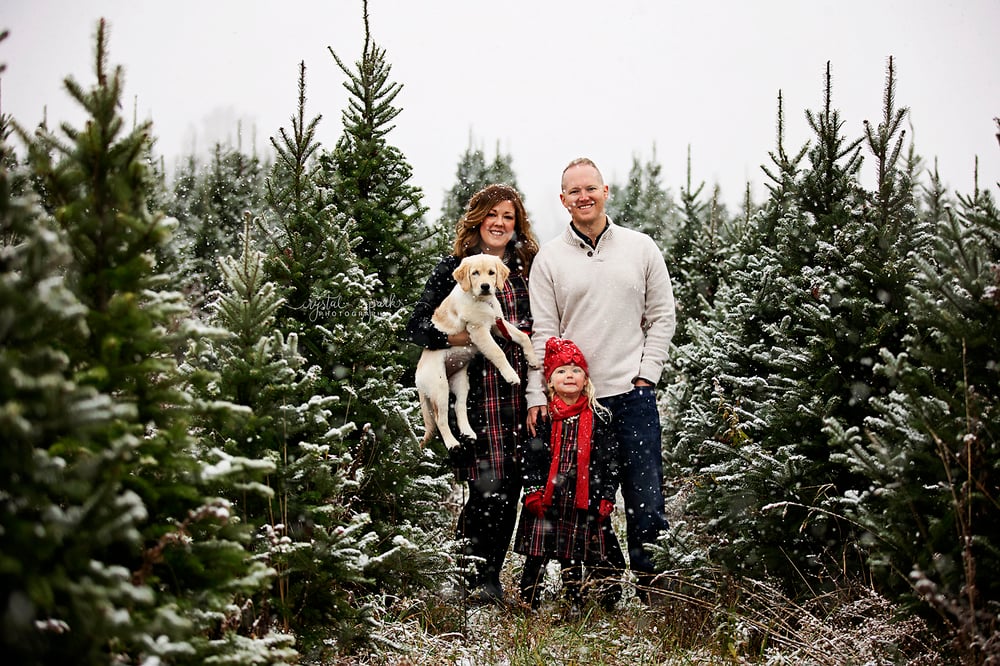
x=497 y=228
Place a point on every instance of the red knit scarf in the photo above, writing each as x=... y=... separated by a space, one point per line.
x=560 y=411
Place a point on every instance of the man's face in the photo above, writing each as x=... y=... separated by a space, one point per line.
x=583 y=194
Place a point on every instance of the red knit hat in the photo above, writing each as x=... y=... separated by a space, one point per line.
x=560 y=352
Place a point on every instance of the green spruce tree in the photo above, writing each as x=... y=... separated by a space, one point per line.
x=699 y=248
x=209 y=202
x=42 y=410
x=644 y=203
x=150 y=564
x=472 y=175
x=347 y=331
x=501 y=170
x=367 y=179
x=929 y=452
x=807 y=304
x=304 y=528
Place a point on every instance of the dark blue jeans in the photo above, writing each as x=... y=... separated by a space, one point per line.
x=636 y=424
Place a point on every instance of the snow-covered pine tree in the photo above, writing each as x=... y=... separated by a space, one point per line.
x=159 y=196
x=367 y=179
x=808 y=302
x=209 y=202
x=718 y=373
x=699 y=248
x=305 y=532
x=935 y=201
x=501 y=170
x=144 y=564
x=702 y=243
x=180 y=205
x=349 y=333
x=47 y=611
x=472 y=175
x=644 y=203
x=930 y=451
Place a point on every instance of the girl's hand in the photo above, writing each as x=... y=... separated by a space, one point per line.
x=533 y=503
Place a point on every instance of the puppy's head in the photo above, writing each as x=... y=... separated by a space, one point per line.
x=481 y=274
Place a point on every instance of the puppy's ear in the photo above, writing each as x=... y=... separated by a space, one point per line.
x=461 y=275
x=502 y=273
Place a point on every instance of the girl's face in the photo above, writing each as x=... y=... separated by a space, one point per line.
x=568 y=382
x=497 y=229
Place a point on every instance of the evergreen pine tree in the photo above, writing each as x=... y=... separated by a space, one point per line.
x=367 y=179
x=209 y=202
x=145 y=564
x=698 y=250
x=929 y=453
x=500 y=170
x=181 y=205
x=42 y=409
x=332 y=306
x=472 y=175
x=718 y=370
x=806 y=306
x=305 y=531
x=644 y=203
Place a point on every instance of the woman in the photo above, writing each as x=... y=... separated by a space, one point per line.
x=495 y=222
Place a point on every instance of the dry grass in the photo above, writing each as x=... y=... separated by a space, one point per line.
x=754 y=625
x=700 y=619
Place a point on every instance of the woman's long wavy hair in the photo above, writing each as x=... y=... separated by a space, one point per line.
x=523 y=246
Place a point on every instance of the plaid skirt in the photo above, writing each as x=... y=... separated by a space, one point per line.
x=567 y=533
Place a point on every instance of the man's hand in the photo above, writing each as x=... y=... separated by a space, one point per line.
x=536 y=415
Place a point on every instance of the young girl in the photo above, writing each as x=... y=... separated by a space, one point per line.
x=570 y=474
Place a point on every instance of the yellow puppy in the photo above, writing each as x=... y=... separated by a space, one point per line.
x=471 y=306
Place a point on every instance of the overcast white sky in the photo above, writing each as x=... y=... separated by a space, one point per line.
x=546 y=80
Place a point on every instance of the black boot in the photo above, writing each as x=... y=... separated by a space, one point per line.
x=605 y=581
x=572 y=581
x=531 y=581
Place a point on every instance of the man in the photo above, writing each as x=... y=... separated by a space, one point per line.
x=607 y=288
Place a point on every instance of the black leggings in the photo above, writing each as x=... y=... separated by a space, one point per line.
x=487 y=524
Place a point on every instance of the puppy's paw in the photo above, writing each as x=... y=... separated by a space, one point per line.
x=470 y=433
x=512 y=378
x=532 y=359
